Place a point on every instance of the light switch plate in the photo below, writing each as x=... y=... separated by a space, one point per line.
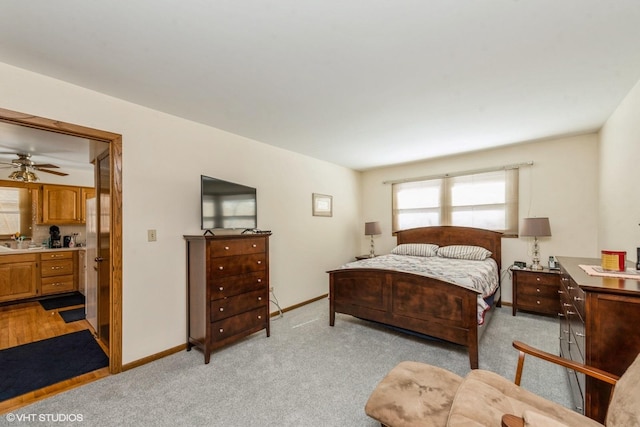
x=151 y=235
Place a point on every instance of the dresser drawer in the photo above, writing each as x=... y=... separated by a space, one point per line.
x=235 y=285
x=237 y=324
x=45 y=256
x=60 y=267
x=232 y=247
x=240 y=264
x=227 y=307
x=57 y=284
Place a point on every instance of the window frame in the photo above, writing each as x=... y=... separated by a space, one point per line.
x=445 y=207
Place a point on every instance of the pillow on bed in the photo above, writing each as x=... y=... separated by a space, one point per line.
x=416 y=249
x=474 y=253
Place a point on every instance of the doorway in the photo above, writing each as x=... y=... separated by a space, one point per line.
x=113 y=263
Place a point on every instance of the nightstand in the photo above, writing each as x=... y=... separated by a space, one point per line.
x=536 y=291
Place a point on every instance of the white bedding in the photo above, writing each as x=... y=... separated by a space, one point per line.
x=481 y=276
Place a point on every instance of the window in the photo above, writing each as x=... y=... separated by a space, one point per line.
x=486 y=200
x=15 y=211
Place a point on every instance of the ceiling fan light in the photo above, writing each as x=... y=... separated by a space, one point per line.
x=23 y=175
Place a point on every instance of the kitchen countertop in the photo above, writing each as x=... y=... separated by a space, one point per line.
x=8 y=251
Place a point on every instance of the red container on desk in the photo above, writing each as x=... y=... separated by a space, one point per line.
x=614 y=260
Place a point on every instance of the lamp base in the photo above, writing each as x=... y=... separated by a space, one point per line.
x=536 y=266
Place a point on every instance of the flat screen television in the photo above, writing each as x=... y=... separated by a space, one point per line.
x=227 y=205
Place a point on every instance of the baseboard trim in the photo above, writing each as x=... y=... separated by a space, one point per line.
x=153 y=357
x=303 y=303
x=176 y=349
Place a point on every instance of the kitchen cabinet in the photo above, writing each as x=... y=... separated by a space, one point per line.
x=58 y=272
x=62 y=204
x=18 y=276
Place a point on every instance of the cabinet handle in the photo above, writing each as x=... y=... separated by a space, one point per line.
x=560 y=292
x=57 y=267
x=570 y=287
x=564 y=304
x=580 y=334
x=221 y=308
x=560 y=314
x=221 y=288
x=569 y=312
x=578 y=299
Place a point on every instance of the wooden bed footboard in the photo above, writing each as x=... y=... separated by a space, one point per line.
x=404 y=300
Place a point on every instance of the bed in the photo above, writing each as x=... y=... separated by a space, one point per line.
x=415 y=302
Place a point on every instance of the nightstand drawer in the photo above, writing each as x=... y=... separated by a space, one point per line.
x=534 y=278
x=538 y=290
x=539 y=304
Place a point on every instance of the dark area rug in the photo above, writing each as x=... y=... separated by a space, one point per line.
x=63 y=301
x=32 y=366
x=72 y=315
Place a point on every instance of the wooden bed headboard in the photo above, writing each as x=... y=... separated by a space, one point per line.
x=445 y=235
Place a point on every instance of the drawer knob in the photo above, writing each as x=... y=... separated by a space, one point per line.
x=221 y=288
x=259 y=298
x=221 y=308
x=221 y=268
x=254 y=246
x=564 y=304
x=537 y=289
x=560 y=292
x=259 y=280
x=538 y=302
x=226 y=248
x=569 y=312
x=259 y=317
x=580 y=334
x=221 y=330
x=570 y=287
x=538 y=279
x=560 y=314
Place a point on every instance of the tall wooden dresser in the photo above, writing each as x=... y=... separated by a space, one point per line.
x=598 y=326
x=228 y=289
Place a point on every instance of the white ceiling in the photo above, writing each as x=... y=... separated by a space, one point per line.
x=361 y=83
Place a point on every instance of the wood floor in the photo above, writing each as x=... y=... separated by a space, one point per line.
x=28 y=322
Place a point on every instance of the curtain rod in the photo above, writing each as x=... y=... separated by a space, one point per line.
x=469 y=172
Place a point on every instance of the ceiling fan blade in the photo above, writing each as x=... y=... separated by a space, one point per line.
x=45 y=165
x=53 y=172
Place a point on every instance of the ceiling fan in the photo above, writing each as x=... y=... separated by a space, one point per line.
x=26 y=167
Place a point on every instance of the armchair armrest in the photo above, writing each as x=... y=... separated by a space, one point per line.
x=509 y=420
x=579 y=367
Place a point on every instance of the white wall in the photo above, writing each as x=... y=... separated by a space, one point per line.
x=163 y=158
x=562 y=185
x=620 y=178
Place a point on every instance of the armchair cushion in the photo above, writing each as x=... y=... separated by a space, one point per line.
x=484 y=397
x=624 y=409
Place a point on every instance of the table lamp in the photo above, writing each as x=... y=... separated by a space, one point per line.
x=372 y=229
x=535 y=227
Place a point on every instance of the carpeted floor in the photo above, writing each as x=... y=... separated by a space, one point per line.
x=36 y=365
x=306 y=374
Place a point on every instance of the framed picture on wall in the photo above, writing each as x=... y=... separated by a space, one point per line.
x=322 y=205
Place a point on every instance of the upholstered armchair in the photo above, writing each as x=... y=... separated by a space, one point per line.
x=417 y=394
